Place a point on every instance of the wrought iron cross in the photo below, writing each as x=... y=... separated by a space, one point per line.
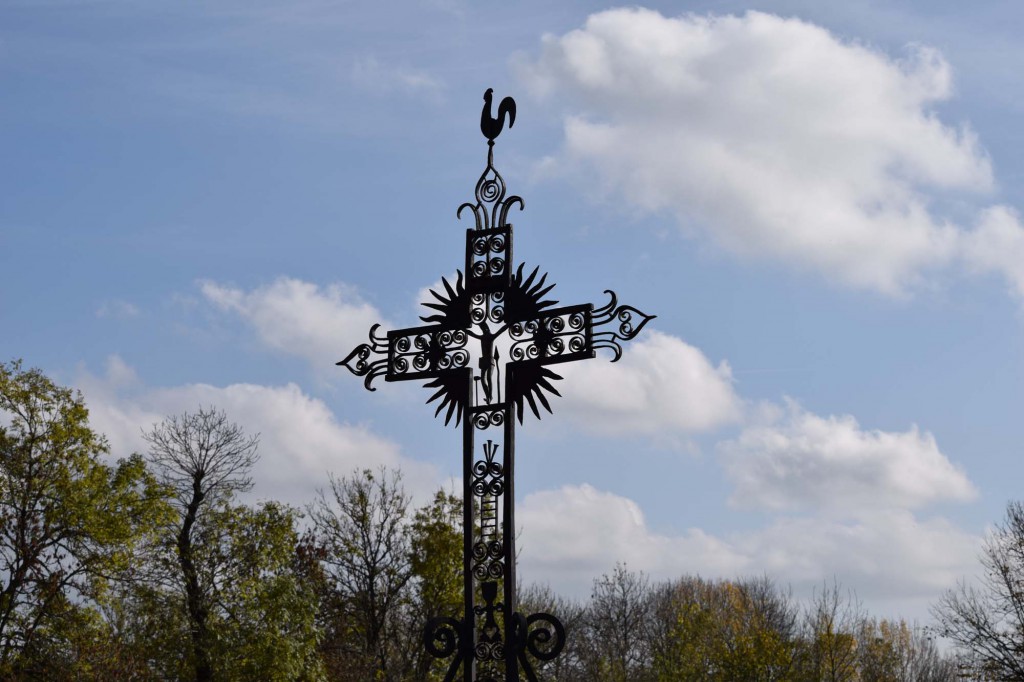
x=500 y=317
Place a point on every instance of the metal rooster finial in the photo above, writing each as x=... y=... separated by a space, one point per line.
x=490 y=126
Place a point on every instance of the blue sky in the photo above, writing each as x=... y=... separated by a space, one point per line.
x=210 y=204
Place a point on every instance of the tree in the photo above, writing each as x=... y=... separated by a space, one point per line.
x=265 y=614
x=722 y=630
x=203 y=460
x=228 y=574
x=892 y=651
x=986 y=621
x=435 y=561
x=614 y=646
x=566 y=666
x=362 y=536
x=69 y=521
x=830 y=636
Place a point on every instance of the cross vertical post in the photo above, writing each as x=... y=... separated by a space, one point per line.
x=500 y=318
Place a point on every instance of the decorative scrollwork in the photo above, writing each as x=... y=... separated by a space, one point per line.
x=492 y=328
x=424 y=351
x=563 y=331
x=547 y=641
x=544 y=642
x=358 y=361
x=490 y=645
x=487 y=257
x=627 y=320
x=492 y=207
x=487 y=479
x=441 y=636
x=486 y=418
x=483 y=486
x=489 y=651
x=491 y=570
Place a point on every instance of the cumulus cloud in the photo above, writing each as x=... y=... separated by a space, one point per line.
x=887 y=553
x=805 y=461
x=996 y=244
x=320 y=324
x=574 y=533
x=771 y=136
x=892 y=557
x=300 y=438
x=661 y=384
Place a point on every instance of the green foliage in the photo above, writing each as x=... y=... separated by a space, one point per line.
x=222 y=594
x=265 y=614
x=69 y=521
x=142 y=570
x=722 y=630
x=436 y=555
x=435 y=559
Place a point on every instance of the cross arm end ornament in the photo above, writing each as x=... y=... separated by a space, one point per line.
x=625 y=322
x=359 y=361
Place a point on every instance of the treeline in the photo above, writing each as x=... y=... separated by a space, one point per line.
x=152 y=568
x=748 y=629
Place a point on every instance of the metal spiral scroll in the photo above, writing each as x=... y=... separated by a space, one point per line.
x=491 y=208
x=442 y=637
x=548 y=336
x=543 y=643
x=630 y=321
x=358 y=363
x=485 y=350
x=444 y=349
x=485 y=419
x=483 y=247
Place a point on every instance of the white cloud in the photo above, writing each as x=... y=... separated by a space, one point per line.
x=831 y=463
x=771 y=135
x=300 y=438
x=661 y=384
x=886 y=554
x=300 y=318
x=997 y=244
x=890 y=557
x=575 y=533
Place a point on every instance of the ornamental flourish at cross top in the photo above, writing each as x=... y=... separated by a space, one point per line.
x=498 y=315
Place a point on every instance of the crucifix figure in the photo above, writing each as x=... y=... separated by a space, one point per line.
x=499 y=316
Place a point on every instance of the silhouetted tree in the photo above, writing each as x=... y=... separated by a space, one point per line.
x=69 y=522
x=986 y=621
x=362 y=535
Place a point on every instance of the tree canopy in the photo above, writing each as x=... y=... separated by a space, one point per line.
x=154 y=567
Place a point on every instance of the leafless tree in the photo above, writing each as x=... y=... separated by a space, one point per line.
x=361 y=529
x=542 y=599
x=614 y=647
x=203 y=459
x=986 y=621
x=830 y=643
x=893 y=650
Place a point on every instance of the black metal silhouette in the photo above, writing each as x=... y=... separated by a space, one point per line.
x=503 y=318
x=490 y=126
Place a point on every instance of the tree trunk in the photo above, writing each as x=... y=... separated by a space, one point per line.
x=197 y=611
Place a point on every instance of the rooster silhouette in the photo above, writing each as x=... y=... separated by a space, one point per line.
x=490 y=126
